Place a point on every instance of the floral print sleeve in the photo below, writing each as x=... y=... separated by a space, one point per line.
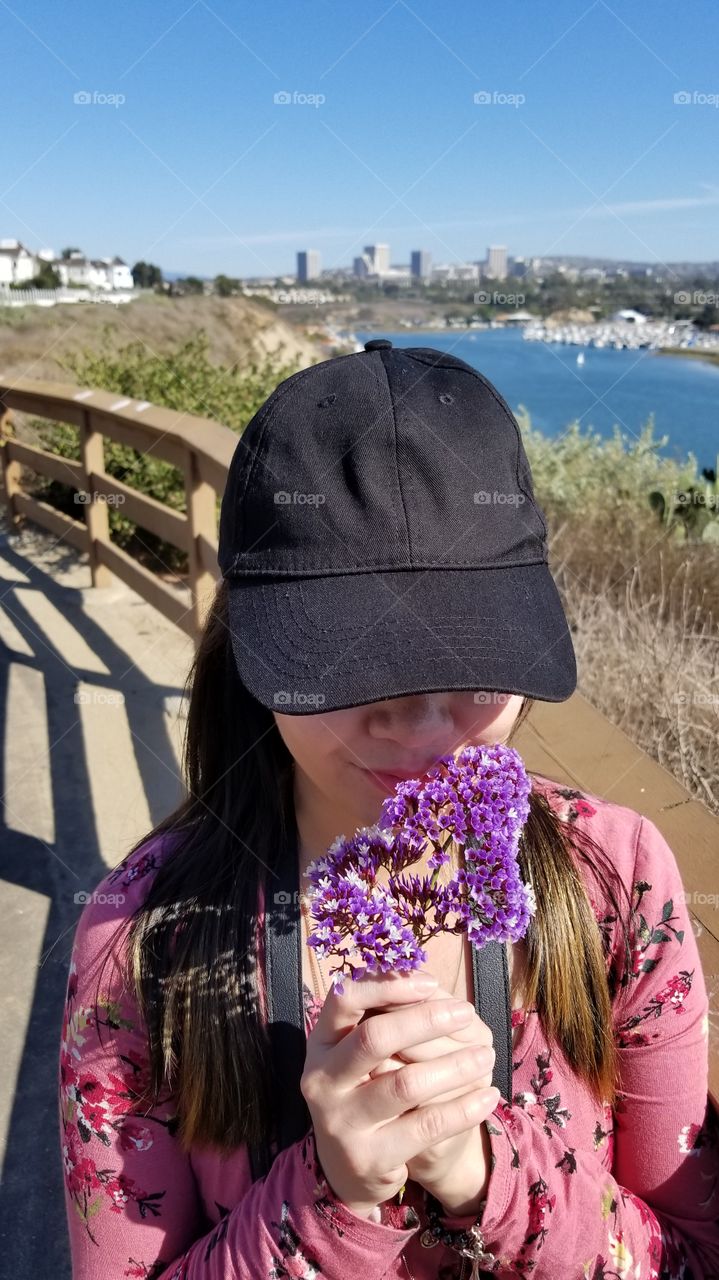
x=554 y=1210
x=132 y=1197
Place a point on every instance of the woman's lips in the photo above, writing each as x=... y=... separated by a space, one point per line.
x=388 y=781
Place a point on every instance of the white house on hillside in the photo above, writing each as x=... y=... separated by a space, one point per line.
x=93 y=273
x=118 y=273
x=16 y=262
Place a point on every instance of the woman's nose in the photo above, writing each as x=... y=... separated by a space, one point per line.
x=419 y=720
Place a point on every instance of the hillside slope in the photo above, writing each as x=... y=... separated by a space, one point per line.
x=33 y=340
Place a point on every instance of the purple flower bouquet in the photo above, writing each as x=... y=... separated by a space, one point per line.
x=369 y=907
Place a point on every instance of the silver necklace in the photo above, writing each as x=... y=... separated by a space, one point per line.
x=409 y=1273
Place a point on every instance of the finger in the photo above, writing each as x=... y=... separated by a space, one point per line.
x=481 y=1082
x=387 y=1064
x=414 y=1131
x=396 y=1092
x=474 y=1032
x=373 y=991
x=375 y=1039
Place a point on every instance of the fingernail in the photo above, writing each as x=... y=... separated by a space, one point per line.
x=460 y=1012
x=424 y=981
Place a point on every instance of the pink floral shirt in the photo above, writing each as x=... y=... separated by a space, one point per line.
x=576 y=1190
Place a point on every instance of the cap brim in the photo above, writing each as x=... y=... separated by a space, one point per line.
x=317 y=644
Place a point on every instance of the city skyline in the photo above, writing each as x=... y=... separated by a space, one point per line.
x=391 y=267
x=375 y=263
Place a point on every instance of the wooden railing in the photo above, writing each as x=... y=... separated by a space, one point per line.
x=570 y=741
x=199 y=448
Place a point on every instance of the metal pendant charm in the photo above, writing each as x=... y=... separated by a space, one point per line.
x=428 y=1239
x=477 y=1252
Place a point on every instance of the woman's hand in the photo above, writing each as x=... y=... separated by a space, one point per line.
x=456 y=1169
x=368 y=1128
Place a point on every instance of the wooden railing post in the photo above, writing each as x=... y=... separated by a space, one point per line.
x=10 y=468
x=96 y=514
x=200 y=499
x=199 y=449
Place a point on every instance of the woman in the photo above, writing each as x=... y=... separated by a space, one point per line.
x=385 y=599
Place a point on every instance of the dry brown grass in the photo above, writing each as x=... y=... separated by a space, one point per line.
x=643 y=612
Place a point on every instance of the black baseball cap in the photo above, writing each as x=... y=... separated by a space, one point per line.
x=380 y=537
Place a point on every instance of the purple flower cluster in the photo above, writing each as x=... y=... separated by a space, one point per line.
x=366 y=903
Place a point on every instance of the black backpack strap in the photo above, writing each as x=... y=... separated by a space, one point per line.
x=285 y=1006
x=288 y=1042
x=492 y=1000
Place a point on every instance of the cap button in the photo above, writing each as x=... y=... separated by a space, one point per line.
x=377 y=344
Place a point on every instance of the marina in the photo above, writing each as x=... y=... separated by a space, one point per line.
x=611 y=385
x=624 y=335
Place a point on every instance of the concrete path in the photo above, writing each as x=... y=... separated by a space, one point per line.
x=91 y=730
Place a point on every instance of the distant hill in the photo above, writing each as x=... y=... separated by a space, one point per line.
x=33 y=339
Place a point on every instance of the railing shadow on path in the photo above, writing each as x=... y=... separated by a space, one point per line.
x=49 y=874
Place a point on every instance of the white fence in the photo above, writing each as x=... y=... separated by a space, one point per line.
x=49 y=297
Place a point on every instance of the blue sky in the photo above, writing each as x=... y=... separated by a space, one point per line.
x=581 y=148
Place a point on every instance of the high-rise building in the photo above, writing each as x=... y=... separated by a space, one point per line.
x=421 y=264
x=308 y=265
x=497 y=262
x=378 y=255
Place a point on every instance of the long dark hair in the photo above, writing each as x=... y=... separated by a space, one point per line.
x=190 y=956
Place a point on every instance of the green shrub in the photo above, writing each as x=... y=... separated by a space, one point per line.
x=580 y=473
x=185 y=380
